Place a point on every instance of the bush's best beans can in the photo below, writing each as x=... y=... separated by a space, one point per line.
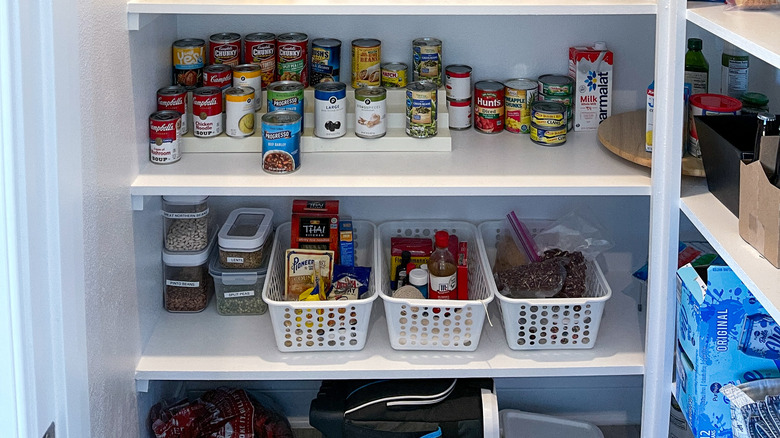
x=240 y=111
x=250 y=75
x=174 y=98
x=325 y=60
x=164 y=137
x=291 y=57
x=457 y=82
x=281 y=141
x=489 y=106
x=394 y=75
x=207 y=111
x=330 y=109
x=285 y=95
x=426 y=60
x=421 y=110
x=371 y=112
x=225 y=48
x=189 y=57
x=518 y=97
x=366 y=55
x=459 y=112
x=260 y=49
x=548 y=115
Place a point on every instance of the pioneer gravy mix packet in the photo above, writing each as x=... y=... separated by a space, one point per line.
x=299 y=272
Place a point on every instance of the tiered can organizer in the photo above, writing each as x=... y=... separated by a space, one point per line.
x=426 y=324
x=320 y=325
x=546 y=323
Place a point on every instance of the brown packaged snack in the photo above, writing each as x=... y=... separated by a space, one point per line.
x=299 y=270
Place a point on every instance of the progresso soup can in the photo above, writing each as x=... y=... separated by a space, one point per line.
x=281 y=141
x=285 y=95
x=260 y=49
x=189 y=57
x=225 y=48
x=330 y=109
x=291 y=58
x=325 y=60
x=421 y=109
x=489 y=107
x=518 y=98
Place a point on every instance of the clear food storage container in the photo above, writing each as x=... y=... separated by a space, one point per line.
x=238 y=291
x=186 y=281
x=244 y=236
x=186 y=222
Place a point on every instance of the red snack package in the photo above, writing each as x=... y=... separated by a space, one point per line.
x=463 y=271
x=315 y=225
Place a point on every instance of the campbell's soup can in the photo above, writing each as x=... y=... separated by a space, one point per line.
x=291 y=58
x=225 y=48
x=325 y=60
x=366 y=57
x=174 y=98
x=371 y=112
x=489 y=107
x=394 y=75
x=240 y=111
x=421 y=109
x=548 y=115
x=518 y=97
x=207 y=112
x=164 y=137
x=281 y=141
x=189 y=57
x=250 y=75
x=285 y=95
x=260 y=49
x=457 y=82
x=426 y=60
x=330 y=109
x=459 y=112
x=220 y=76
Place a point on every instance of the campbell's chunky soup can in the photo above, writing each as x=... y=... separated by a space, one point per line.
x=164 y=137
x=260 y=49
x=325 y=60
x=489 y=106
x=189 y=57
x=207 y=112
x=174 y=98
x=291 y=57
x=281 y=141
x=225 y=48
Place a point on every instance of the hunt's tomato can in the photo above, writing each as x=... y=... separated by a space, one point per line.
x=489 y=106
x=164 y=137
x=174 y=98
x=291 y=55
x=225 y=48
x=207 y=112
x=260 y=49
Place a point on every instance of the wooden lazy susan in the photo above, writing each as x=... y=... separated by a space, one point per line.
x=624 y=135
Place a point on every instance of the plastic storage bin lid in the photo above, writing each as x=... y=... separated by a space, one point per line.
x=237 y=276
x=189 y=258
x=716 y=102
x=519 y=424
x=246 y=229
x=185 y=200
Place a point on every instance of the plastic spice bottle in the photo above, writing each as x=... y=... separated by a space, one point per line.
x=734 y=74
x=697 y=70
x=418 y=278
x=442 y=275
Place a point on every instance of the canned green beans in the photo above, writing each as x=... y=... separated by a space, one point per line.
x=421 y=109
x=427 y=60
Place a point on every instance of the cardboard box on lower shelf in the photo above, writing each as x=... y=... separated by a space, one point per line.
x=759 y=204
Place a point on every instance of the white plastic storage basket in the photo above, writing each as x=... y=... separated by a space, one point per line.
x=425 y=324
x=546 y=323
x=323 y=325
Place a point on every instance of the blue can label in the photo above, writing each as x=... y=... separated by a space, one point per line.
x=760 y=337
x=281 y=147
x=325 y=64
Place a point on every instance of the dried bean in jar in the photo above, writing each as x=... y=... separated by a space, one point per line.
x=187 y=289
x=187 y=235
x=241 y=300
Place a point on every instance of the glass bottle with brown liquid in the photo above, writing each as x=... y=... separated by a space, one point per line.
x=442 y=275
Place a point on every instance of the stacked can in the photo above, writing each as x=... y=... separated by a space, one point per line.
x=548 y=123
x=558 y=89
x=457 y=85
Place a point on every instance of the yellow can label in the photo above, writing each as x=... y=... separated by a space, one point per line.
x=365 y=66
x=394 y=78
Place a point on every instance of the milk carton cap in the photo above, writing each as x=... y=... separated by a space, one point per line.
x=600 y=45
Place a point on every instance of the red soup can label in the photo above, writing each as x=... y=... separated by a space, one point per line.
x=164 y=137
x=291 y=57
x=489 y=106
x=207 y=112
x=225 y=48
x=260 y=49
x=174 y=98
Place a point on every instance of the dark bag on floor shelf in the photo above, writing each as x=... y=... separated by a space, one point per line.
x=409 y=408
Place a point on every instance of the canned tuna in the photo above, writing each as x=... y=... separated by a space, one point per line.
x=421 y=109
x=556 y=85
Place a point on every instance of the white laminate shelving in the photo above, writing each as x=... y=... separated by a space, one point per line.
x=753 y=31
x=207 y=346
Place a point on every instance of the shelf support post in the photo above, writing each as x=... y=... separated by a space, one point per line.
x=664 y=216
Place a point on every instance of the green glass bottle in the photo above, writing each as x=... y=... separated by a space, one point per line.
x=697 y=70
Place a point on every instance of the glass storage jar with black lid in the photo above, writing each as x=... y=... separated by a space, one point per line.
x=245 y=238
x=186 y=222
x=187 y=285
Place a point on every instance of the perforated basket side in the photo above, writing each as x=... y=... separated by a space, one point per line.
x=326 y=325
x=434 y=324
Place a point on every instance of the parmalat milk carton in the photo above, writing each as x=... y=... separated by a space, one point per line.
x=591 y=69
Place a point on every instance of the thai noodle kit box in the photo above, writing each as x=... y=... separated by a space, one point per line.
x=724 y=336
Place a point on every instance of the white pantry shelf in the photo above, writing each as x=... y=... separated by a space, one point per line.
x=478 y=165
x=244 y=348
x=721 y=228
x=753 y=31
x=140 y=12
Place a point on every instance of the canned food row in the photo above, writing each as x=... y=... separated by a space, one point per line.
x=287 y=57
